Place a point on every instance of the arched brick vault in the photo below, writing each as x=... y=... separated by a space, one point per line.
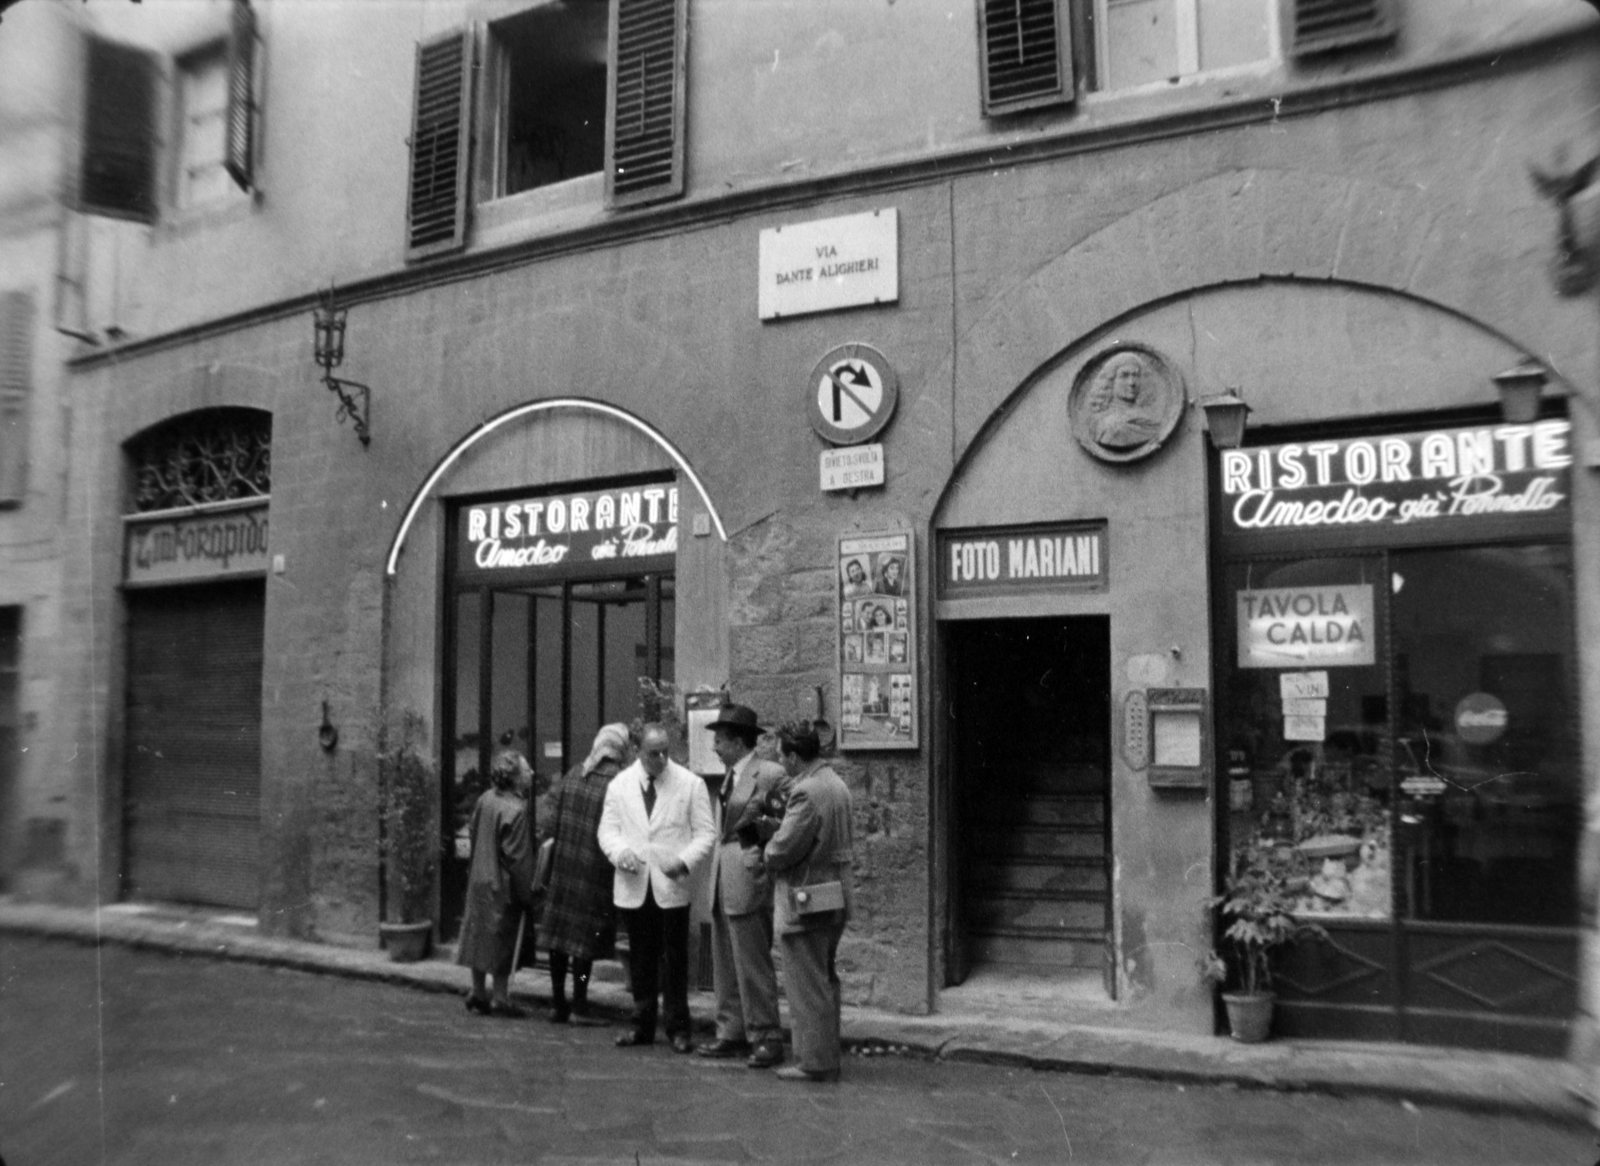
x=1248 y=225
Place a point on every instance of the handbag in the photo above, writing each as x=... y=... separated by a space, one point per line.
x=817 y=898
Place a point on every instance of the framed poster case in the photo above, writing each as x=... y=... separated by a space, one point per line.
x=878 y=698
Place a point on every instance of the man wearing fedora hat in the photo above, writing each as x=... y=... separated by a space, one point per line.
x=753 y=793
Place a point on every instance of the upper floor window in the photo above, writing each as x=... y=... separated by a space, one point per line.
x=216 y=110
x=1144 y=42
x=545 y=112
x=1043 y=52
x=202 y=177
x=568 y=88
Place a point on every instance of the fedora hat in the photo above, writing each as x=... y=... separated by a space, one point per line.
x=737 y=717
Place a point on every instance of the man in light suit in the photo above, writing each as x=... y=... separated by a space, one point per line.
x=753 y=795
x=656 y=828
x=812 y=847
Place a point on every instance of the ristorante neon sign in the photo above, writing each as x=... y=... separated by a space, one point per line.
x=1399 y=480
x=632 y=523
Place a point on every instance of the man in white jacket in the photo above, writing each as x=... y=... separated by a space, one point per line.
x=656 y=828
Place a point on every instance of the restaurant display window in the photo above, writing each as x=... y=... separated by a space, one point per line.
x=1397 y=721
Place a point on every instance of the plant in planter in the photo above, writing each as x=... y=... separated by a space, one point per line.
x=411 y=849
x=1257 y=902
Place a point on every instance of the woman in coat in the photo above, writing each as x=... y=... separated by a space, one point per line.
x=578 y=925
x=499 y=884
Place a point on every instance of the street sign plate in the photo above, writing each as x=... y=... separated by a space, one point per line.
x=852 y=467
x=852 y=394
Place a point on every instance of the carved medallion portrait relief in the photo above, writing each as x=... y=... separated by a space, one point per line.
x=1126 y=403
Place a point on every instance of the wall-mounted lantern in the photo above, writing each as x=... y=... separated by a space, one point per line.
x=1519 y=388
x=329 y=321
x=1226 y=417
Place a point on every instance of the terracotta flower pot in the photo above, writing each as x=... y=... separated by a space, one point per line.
x=406 y=942
x=1249 y=1017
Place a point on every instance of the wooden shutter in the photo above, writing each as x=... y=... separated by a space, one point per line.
x=1319 y=25
x=436 y=213
x=240 y=154
x=119 y=133
x=1026 y=54
x=16 y=377
x=644 y=103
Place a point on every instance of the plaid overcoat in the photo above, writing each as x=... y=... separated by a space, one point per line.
x=578 y=916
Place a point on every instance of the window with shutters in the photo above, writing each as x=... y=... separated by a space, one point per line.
x=558 y=93
x=202 y=178
x=16 y=377
x=1043 y=52
x=209 y=142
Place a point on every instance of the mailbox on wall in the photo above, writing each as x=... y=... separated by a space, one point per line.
x=1179 y=746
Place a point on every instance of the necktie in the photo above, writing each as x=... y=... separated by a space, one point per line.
x=649 y=796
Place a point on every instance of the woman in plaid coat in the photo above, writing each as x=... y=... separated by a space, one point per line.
x=578 y=925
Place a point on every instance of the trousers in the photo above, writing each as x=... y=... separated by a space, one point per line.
x=658 y=962
x=813 y=989
x=742 y=973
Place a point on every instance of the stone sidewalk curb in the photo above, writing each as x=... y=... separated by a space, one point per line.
x=1457 y=1078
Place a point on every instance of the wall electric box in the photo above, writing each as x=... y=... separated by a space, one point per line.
x=1178 y=743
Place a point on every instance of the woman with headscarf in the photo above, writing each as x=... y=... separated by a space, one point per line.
x=579 y=922
x=499 y=884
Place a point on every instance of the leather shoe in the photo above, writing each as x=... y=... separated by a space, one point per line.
x=722 y=1049
x=478 y=1004
x=634 y=1037
x=507 y=1009
x=766 y=1055
x=796 y=1073
x=681 y=1043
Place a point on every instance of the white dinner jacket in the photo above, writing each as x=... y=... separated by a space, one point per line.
x=680 y=825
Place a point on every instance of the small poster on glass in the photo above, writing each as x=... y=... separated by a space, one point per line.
x=878 y=702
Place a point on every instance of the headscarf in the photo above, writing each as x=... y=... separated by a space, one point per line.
x=611 y=741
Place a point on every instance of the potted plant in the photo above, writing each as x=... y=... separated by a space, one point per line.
x=410 y=847
x=1257 y=903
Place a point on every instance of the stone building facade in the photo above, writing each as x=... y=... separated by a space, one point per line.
x=1059 y=742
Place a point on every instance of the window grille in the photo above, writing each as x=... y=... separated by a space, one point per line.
x=211 y=457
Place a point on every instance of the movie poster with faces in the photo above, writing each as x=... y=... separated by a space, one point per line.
x=877 y=642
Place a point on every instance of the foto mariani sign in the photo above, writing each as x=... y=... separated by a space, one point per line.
x=829 y=263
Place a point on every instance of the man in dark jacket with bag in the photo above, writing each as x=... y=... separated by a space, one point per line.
x=753 y=796
x=811 y=856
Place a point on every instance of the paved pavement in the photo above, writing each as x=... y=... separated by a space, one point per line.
x=1464 y=1079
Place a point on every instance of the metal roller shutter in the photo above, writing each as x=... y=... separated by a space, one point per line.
x=193 y=792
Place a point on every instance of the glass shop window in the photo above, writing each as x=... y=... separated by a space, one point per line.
x=1305 y=727
x=1401 y=727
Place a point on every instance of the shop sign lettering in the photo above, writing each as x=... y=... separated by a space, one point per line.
x=1288 y=627
x=218 y=545
x=1404 y=480
x=635 y=524
x=996 y=561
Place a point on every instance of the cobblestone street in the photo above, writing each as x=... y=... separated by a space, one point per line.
x=183 y=1060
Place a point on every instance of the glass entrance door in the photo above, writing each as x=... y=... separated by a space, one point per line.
x=539 y=670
